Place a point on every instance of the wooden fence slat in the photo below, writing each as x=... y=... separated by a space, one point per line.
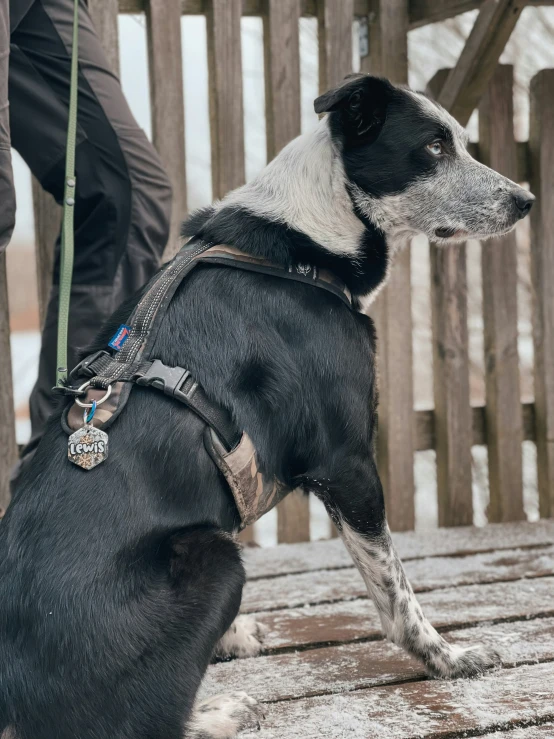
x=541 y=144
x=48 y=217
x=282 y=98
x=282 y=73
x=166 y=94
x=104 y=15
x=453 y=430
x=225 y=79
x=499 y=271
x=335 y=19
x=477 y=63
x=8 y=447
x=393 y=308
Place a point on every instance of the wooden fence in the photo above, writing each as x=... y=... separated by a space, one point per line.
x=453 y=426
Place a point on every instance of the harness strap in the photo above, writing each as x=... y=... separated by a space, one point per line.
x=131 y=364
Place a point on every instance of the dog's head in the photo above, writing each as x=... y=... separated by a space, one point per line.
x=408 y=166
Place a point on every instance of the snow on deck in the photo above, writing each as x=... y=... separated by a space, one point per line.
x=327 y=672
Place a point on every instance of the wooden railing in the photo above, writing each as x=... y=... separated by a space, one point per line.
x=453 y=426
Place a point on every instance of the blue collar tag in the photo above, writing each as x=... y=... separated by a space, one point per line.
x=120 y=337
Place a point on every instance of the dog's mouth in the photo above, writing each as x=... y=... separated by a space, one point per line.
x=449 y=233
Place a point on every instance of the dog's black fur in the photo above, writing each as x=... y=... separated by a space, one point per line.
x=116 y=584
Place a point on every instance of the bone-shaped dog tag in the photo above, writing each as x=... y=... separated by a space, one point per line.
x=87 y=447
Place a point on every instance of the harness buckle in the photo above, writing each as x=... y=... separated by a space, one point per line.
x=168 y=379
x=84 y=366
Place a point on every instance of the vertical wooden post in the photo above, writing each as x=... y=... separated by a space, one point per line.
x=451 y=373
x=225 y=79
x=335 y=19
x=8 y=447
x=499 y=266
x=282 y=98
x=393 y=308
x=541 y=145
x=163 y=19
x=451 y=384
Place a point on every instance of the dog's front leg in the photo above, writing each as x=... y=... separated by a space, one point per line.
x=360 y=518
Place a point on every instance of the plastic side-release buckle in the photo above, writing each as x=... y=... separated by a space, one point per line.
x=168 y=379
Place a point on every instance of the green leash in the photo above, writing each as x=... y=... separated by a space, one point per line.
x=68 y=240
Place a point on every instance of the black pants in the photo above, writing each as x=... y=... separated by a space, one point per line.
x=123 y=200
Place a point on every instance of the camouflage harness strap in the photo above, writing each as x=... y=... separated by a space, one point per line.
x=130 y=364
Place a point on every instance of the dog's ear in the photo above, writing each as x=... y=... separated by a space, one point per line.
x=362 y=102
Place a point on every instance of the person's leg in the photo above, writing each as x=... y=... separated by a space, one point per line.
x=123 y=196
x=7 y=195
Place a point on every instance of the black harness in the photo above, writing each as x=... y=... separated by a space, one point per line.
x=130 y=360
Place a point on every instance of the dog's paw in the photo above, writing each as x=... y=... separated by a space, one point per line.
x=223 y=716
x=244 y=639
x=468 y=662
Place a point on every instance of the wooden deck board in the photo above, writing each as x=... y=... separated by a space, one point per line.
x=325 y=586
x=327 y=555
x=327 y=672
x=350 y=667
x=432 y=708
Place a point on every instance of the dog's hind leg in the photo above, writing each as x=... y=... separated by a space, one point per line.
x=243 y=639
x=223 y=716
x=360 y=517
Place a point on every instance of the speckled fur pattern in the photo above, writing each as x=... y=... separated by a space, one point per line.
x=401 y=616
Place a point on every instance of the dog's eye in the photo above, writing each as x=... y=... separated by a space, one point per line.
x=436 y=148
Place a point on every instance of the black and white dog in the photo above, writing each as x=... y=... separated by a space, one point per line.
x=117 y=585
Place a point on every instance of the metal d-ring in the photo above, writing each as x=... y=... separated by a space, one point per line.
x=98 y=402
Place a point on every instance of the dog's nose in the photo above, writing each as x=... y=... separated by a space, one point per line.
x=524 y=202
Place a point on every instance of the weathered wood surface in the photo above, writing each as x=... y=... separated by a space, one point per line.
x=499 y=270
x=225 y=81
x=163 y=23
x=327 y=586
x=328 y=555
x=357 y=620
x=544 y=731
x=348 y=667
x=326 y=670
x=425 y=433
x=477 y=63
x=452 y=415
x=433 y=709
x=393 y=308
x=421 y=11
x=453 y=429
x=8 y=448
x=335 y=41
x=541 y=144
